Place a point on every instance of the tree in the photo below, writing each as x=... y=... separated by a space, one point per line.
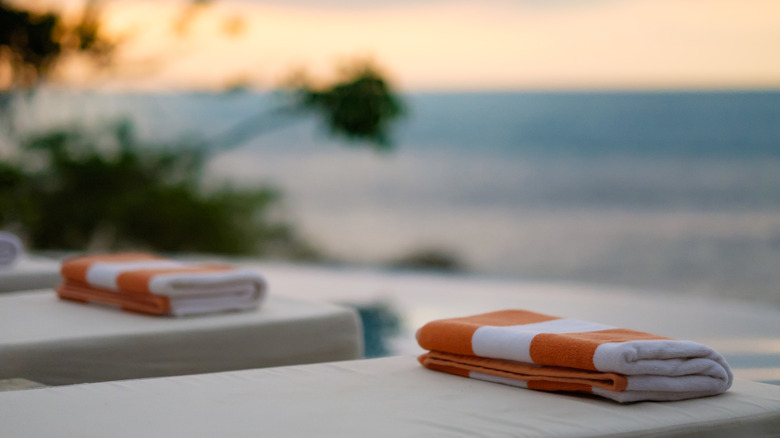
x=108 y=190
x=33 y=44
x=119 y=193
x=360 y=107
x=430 y=259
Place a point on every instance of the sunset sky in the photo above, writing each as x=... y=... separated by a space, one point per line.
x=451 y=45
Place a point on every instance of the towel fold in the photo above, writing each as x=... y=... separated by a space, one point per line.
x=537 y=351
x=155 y=285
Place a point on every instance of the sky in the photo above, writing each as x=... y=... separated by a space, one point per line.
x=448 y=45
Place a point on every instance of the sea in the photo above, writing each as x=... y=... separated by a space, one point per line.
x=662 y=191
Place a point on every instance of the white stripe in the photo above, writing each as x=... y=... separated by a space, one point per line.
x=219 y=303
x=693 y=383
x=197 y=283
x=661 y=357
x=633 y=396
x=514 y=342
x=104 y=274
x=498 y=379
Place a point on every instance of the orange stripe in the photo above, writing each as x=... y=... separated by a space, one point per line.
x=437 y=366
x=150 y=304
x=76 y=268
x=527 y=372
x=575 y=350
x=543 y=385
x=454 y=335
x=138 y=281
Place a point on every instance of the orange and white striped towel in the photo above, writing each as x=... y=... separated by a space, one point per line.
x=537 y=351
x=154 y=285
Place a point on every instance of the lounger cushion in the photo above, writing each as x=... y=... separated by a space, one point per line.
x=388 y=397
x=30 y=273
x=56 y=342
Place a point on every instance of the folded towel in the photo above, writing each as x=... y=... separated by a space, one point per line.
x=543 y=352
x=154 y=285
x=10 y=248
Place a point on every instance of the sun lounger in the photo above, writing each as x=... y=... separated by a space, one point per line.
x=30 y=273
x=745 y=333
x=393 y=397
x=20 y=271
x=57 y=342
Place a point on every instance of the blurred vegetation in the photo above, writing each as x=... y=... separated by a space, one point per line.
x=430 y=259
x=69 y=189
x=359 y=106
x=73 y=191
x=32 y=44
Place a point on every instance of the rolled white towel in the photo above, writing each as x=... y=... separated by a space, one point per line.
x=10 y=248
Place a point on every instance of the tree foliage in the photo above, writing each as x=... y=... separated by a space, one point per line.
x=430 y=259
x=359 y=107
x=72 y=190
x=31 y=44
x=111 y=192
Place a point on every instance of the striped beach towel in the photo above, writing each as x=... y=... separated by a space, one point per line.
x=149 y=284
x=537 y=351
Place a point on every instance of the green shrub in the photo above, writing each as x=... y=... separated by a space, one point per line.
x=105 y=190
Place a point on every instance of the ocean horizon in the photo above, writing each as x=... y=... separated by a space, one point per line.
x=667 y=191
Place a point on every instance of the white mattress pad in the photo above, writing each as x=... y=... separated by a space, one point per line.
x=388 y=397
x=56 y=342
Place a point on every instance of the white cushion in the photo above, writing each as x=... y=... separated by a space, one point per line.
x=392 y=397
x=29 y=273
x=56 y=342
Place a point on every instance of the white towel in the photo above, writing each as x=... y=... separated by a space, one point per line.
x=10 y=248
